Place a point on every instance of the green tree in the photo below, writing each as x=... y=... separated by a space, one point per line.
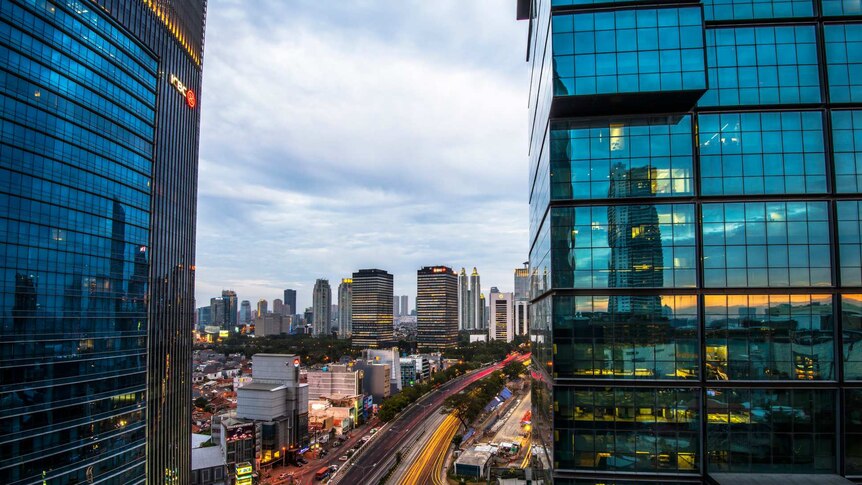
x=513 y=370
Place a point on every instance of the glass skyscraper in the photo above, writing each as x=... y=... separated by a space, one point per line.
x=98 y=183
x=696 y=239
x=436 y=309
x=371 y=309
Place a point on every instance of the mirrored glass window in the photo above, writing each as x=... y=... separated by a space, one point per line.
x=770 y=430
x=628 y=51
x=626 y=337
x=841 y=7
x=853 y=430
x=627 y=429
x=849 y=241
x=766 y=244
x=851 y=326
x=761 y=65
x=769 y=337
x=844 y=62
x=847 y=150
x=756 y=9
x=762 y=153
x=623 y=246
x=623 y=158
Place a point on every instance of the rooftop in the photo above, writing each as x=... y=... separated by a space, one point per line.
x=208 y=457
x=474 y=457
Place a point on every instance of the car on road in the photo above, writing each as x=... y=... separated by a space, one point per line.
x=343 y=458
x=333 y=467
x=301 y=460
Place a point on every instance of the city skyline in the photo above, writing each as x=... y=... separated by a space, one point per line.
x=321 y=198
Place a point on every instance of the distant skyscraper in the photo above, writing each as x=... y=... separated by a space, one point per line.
x=290 y=302
x=477 y=305
x=278 y=306
x=262 y=307
x=463 y=300
x=223 y=310
x=245 y=312
x=230 y=309
x=522 y=283
x=501 y=316
x=372 y=308
x=345 y=308
x=436 y=308
x=396 y=306
x=202 y=318
x=405 y=305
x=322 y=307
x=99 y=129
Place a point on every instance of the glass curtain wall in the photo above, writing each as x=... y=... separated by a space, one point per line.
x=696 y=269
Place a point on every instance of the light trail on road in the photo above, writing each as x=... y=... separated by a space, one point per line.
x=426 y=468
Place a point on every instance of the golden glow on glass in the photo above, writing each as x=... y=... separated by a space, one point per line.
x=158 y=7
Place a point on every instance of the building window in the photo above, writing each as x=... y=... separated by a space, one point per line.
x=770 y=430
x=837 y=8
x=622 y=158
x=626 y=429
x=846 y=129
x=851 y=325
x=745 y=67
x=844 y=62
x=628 y=51
x=626 y=337
x=623 y=246
x=774 y=244
x=762 y=153
x=756 y=9
x=850 y=242
x=769 y=337
x=853 y=430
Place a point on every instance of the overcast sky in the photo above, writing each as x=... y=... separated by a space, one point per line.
x=360 y=134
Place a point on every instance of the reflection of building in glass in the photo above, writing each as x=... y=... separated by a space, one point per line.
x=634 y=237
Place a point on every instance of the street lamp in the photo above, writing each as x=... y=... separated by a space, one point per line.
x=283 y=455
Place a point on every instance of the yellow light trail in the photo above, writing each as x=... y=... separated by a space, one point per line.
x=526 y=462
x=430 y=459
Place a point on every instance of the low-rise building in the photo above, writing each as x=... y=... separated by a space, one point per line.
x=208 y=462
x=473 y=463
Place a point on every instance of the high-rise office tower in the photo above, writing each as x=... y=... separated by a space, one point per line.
x=98 y=189
x=522 y=283
x=345 y=308
x=436 y=308
x=695 y=250
x=372 y=308
x=396 y=305
x=463 y=299
x=290 y=302
x=405 y=305
x=501 y=316
x=262 y=307
x=230 y=309
x=322 y=307
x=245 y=312
x=476 y=302
x=278 y=306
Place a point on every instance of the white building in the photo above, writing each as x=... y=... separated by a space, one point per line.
x=501 y=323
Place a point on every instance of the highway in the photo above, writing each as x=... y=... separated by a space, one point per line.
x=426 y=469
x=380 y=454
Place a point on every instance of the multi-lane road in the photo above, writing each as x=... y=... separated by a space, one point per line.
x=380 y=454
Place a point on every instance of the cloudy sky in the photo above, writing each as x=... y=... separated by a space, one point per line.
x=364 y=134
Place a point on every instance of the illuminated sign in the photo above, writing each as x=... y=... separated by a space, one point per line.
x=223 y=334
x=243 y=468
x=187 y=93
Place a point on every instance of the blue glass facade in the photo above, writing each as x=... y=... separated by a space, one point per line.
x=87 y=151
x=695 y=248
